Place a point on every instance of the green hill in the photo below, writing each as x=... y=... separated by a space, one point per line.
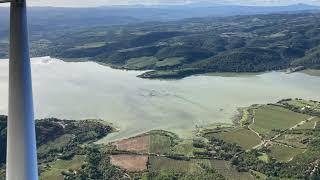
x=226 y=44
x=311 y=59
x=58 y=139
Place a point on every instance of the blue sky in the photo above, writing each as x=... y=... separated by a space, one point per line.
x=90 y=3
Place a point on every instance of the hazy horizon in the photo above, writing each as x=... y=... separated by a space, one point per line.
x=97 y=3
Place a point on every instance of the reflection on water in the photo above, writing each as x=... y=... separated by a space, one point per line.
x=88 y=90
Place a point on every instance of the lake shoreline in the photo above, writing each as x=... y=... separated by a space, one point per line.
x=176 y=74
x=87 y=90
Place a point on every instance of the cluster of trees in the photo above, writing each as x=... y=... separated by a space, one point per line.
x=229 y=44
x=243 y=60
x=215 y=149
x=59 y=138
x=305 y=110
x=188 y=52
x=207 y=174
x=63 y=138
x=250 y=161
x=48 y=130
x=97 y=166
x=311 y=59
x=308 y=109
x=300 y=167
x=223 y=150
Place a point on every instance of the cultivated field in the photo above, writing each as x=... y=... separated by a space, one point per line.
x=225 y=169
x=152 y=142
x=132 y=163
x=264 y=133
x=138 y=144
x=185 y=147
x=170 y=62
x=283 y=153
x=310 y=124
x=160 y=144
x=270 y=117
x=264 y=157
x=54 y=172
x=294 y=140
x=166 y=164
x=222 y=167
x=141 y=63
x=243 y=137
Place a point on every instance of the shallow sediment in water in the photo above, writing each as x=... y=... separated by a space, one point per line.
x=82 y=90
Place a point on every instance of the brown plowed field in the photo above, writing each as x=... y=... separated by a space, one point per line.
x=133 y=163
x=138 y=144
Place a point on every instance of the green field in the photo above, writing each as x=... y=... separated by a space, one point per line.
x=243 y=137
x=141 y=63
x=160 y=144
x=264 y=157
x=91 y=45
x=270 y=117
x=57 y=167
x=193 y=166
x=130 y=49
x=293 y=140
x=310 y=124
x=169 y=62
x=318 y=125
x=284 y=153
x=225 y=169
x=259 y=175
x=60 y=142
x=166 y=164
x=185 y=147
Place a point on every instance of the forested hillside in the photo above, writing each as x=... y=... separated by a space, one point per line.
x=176 y=49
x=58 y=139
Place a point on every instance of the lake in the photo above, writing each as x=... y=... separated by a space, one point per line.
x=86 y=90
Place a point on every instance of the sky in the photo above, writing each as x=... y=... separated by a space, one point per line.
x=94 y=3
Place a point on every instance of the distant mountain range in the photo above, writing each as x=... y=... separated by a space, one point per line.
x=119 y=15
x=176 y=49
x=207 y=39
